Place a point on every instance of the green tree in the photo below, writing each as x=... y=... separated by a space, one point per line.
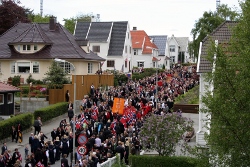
x=37 y=18
x=209 y=22
x=56 y=76
x=70 y=23
x=229 y=102
x=11 y=13
x=163 y=132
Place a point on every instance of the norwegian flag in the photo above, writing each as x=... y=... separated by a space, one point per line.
x=112 y=126
x=123 y=120
x=78 y=124
x=94 y=113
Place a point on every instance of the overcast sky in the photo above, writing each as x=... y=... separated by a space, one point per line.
x=156 y=17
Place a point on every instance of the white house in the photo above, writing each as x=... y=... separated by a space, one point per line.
x=178 y=49
x=220 y=35
x=145 y=52
x=29 y=48
x=161 y=42
x=109 y=40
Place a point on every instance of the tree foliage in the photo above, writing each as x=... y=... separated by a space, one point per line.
x=37 y=18
x=229 y=102
x=163 y=132
x=56 y=76
x=11 y=13
x=70 y=23
x=209 y=22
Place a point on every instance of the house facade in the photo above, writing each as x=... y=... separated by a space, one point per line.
x=177 y=50
x=7 y=103
x=161 y=42
x=220 y=36
x=145 y=52
x=29 y=48
x=110 y=41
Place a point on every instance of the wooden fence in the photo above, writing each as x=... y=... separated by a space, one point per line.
x=187 y=108
x=83 y=83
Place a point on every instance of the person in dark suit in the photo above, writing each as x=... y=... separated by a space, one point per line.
x=70 y=113
x=53 y=134
x=67 y=96
x=4 y=148
x=31 y=138
x=64 y=161
x=14 y=134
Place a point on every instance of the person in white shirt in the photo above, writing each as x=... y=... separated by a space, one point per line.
x=98 y=142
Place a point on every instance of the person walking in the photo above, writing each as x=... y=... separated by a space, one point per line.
x=14 y=134
x=67 y=96
x=64 y=161
x=70 y=113
x=37 y=125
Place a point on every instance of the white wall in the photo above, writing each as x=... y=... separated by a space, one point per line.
x=81 y=69
x=146 y=58
x=202 y=116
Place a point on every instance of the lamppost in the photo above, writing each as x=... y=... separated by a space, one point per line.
x=73 y=69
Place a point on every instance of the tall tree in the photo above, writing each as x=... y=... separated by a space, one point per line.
x=209 y=22
x=229 y=102
x=11 y=13
x=56 y=76
x=70 y=23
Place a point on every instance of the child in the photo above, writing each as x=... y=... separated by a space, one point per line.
x=26 y=150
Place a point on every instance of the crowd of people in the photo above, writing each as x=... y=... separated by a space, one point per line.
x=107 y=132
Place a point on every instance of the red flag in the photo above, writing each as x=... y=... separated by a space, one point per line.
x=94 y=114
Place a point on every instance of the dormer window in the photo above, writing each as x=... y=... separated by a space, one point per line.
x=35 y=47
x=26 y=47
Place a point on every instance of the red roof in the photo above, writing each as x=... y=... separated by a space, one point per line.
x=155 y=59
x=140 y=40
x=8 y=88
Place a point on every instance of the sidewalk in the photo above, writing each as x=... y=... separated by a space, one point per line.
x=46 y=129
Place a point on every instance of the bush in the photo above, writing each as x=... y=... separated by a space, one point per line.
x=52 y=111
x=161 y=161
x=16 y=80
x=25 y=119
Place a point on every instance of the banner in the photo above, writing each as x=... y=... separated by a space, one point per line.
x=118 y=105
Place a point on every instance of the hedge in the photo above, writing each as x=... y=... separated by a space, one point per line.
x=26 y=120
x=52 y=111
x=161 y=161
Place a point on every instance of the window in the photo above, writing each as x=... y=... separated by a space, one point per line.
x=35 y=47
x=35 y=67
x=135 y=52
x=13 y=68
x=172 y=48
x=96 y=49
x=26 y=47
x=23 y=67
x=1 y=99
x=172 y=59
x=90 y=68
x=154 y=64
x=66 y=66
x=110 y=63
x=126 y=63
x=140 y=64
x=10 y=98
x=18 y=47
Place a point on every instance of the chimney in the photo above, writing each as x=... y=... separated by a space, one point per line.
x=52 y=23
x=134 y=28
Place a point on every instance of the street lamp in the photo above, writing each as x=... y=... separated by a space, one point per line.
x=73 y=69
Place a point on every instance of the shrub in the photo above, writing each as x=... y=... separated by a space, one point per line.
x=25 y=119
x=52 y=111
x=161 y=161
x=16 y=80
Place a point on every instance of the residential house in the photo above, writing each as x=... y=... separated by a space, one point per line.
x=109 y=40
x=29 y=48
x=221 y=36
x=7 y=103
x=145 y=52
x=161 y=42
x=178 y=49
